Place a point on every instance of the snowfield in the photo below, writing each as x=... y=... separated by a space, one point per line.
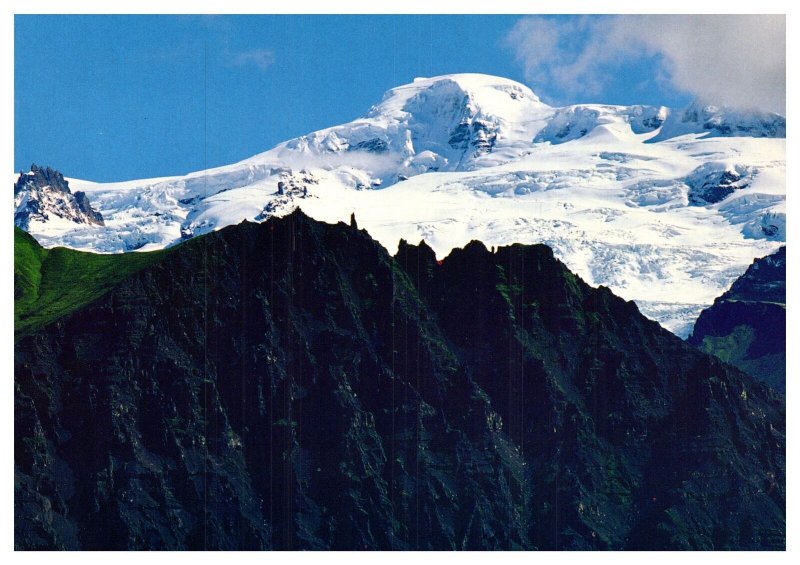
x=665 y=207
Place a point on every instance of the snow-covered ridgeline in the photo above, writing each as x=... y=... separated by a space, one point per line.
x=666 y=208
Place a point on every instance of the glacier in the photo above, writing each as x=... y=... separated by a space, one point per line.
x=665 y=207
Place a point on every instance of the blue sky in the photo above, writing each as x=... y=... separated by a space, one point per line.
x=120 y=97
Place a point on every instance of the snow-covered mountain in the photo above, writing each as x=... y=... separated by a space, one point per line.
x=665 y=207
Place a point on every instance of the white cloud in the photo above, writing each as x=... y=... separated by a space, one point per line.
x=260 y=58
x=738 y=60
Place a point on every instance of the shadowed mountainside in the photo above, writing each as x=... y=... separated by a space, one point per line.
x=289 y=385
x=746 y=326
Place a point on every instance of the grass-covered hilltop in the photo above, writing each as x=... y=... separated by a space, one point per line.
x=51 y=283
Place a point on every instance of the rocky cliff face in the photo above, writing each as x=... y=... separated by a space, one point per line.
x=746 y=326
x=288 y=385
x=43 y=194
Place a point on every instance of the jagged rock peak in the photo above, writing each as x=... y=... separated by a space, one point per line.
x=43 y=194
x=40 y=178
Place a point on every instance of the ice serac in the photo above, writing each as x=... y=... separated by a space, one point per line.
x=290 y=385
x=746 y=326
x=665 y=207
x=42 y=196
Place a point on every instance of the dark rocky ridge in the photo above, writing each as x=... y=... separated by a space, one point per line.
x=289 y=385
x=85 y=206
x=746 y=326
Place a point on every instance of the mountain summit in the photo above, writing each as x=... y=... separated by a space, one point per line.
x=666 y=207
x=446 y=123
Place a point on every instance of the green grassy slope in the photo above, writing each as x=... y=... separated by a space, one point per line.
x=733 y=348
x=50 y=283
